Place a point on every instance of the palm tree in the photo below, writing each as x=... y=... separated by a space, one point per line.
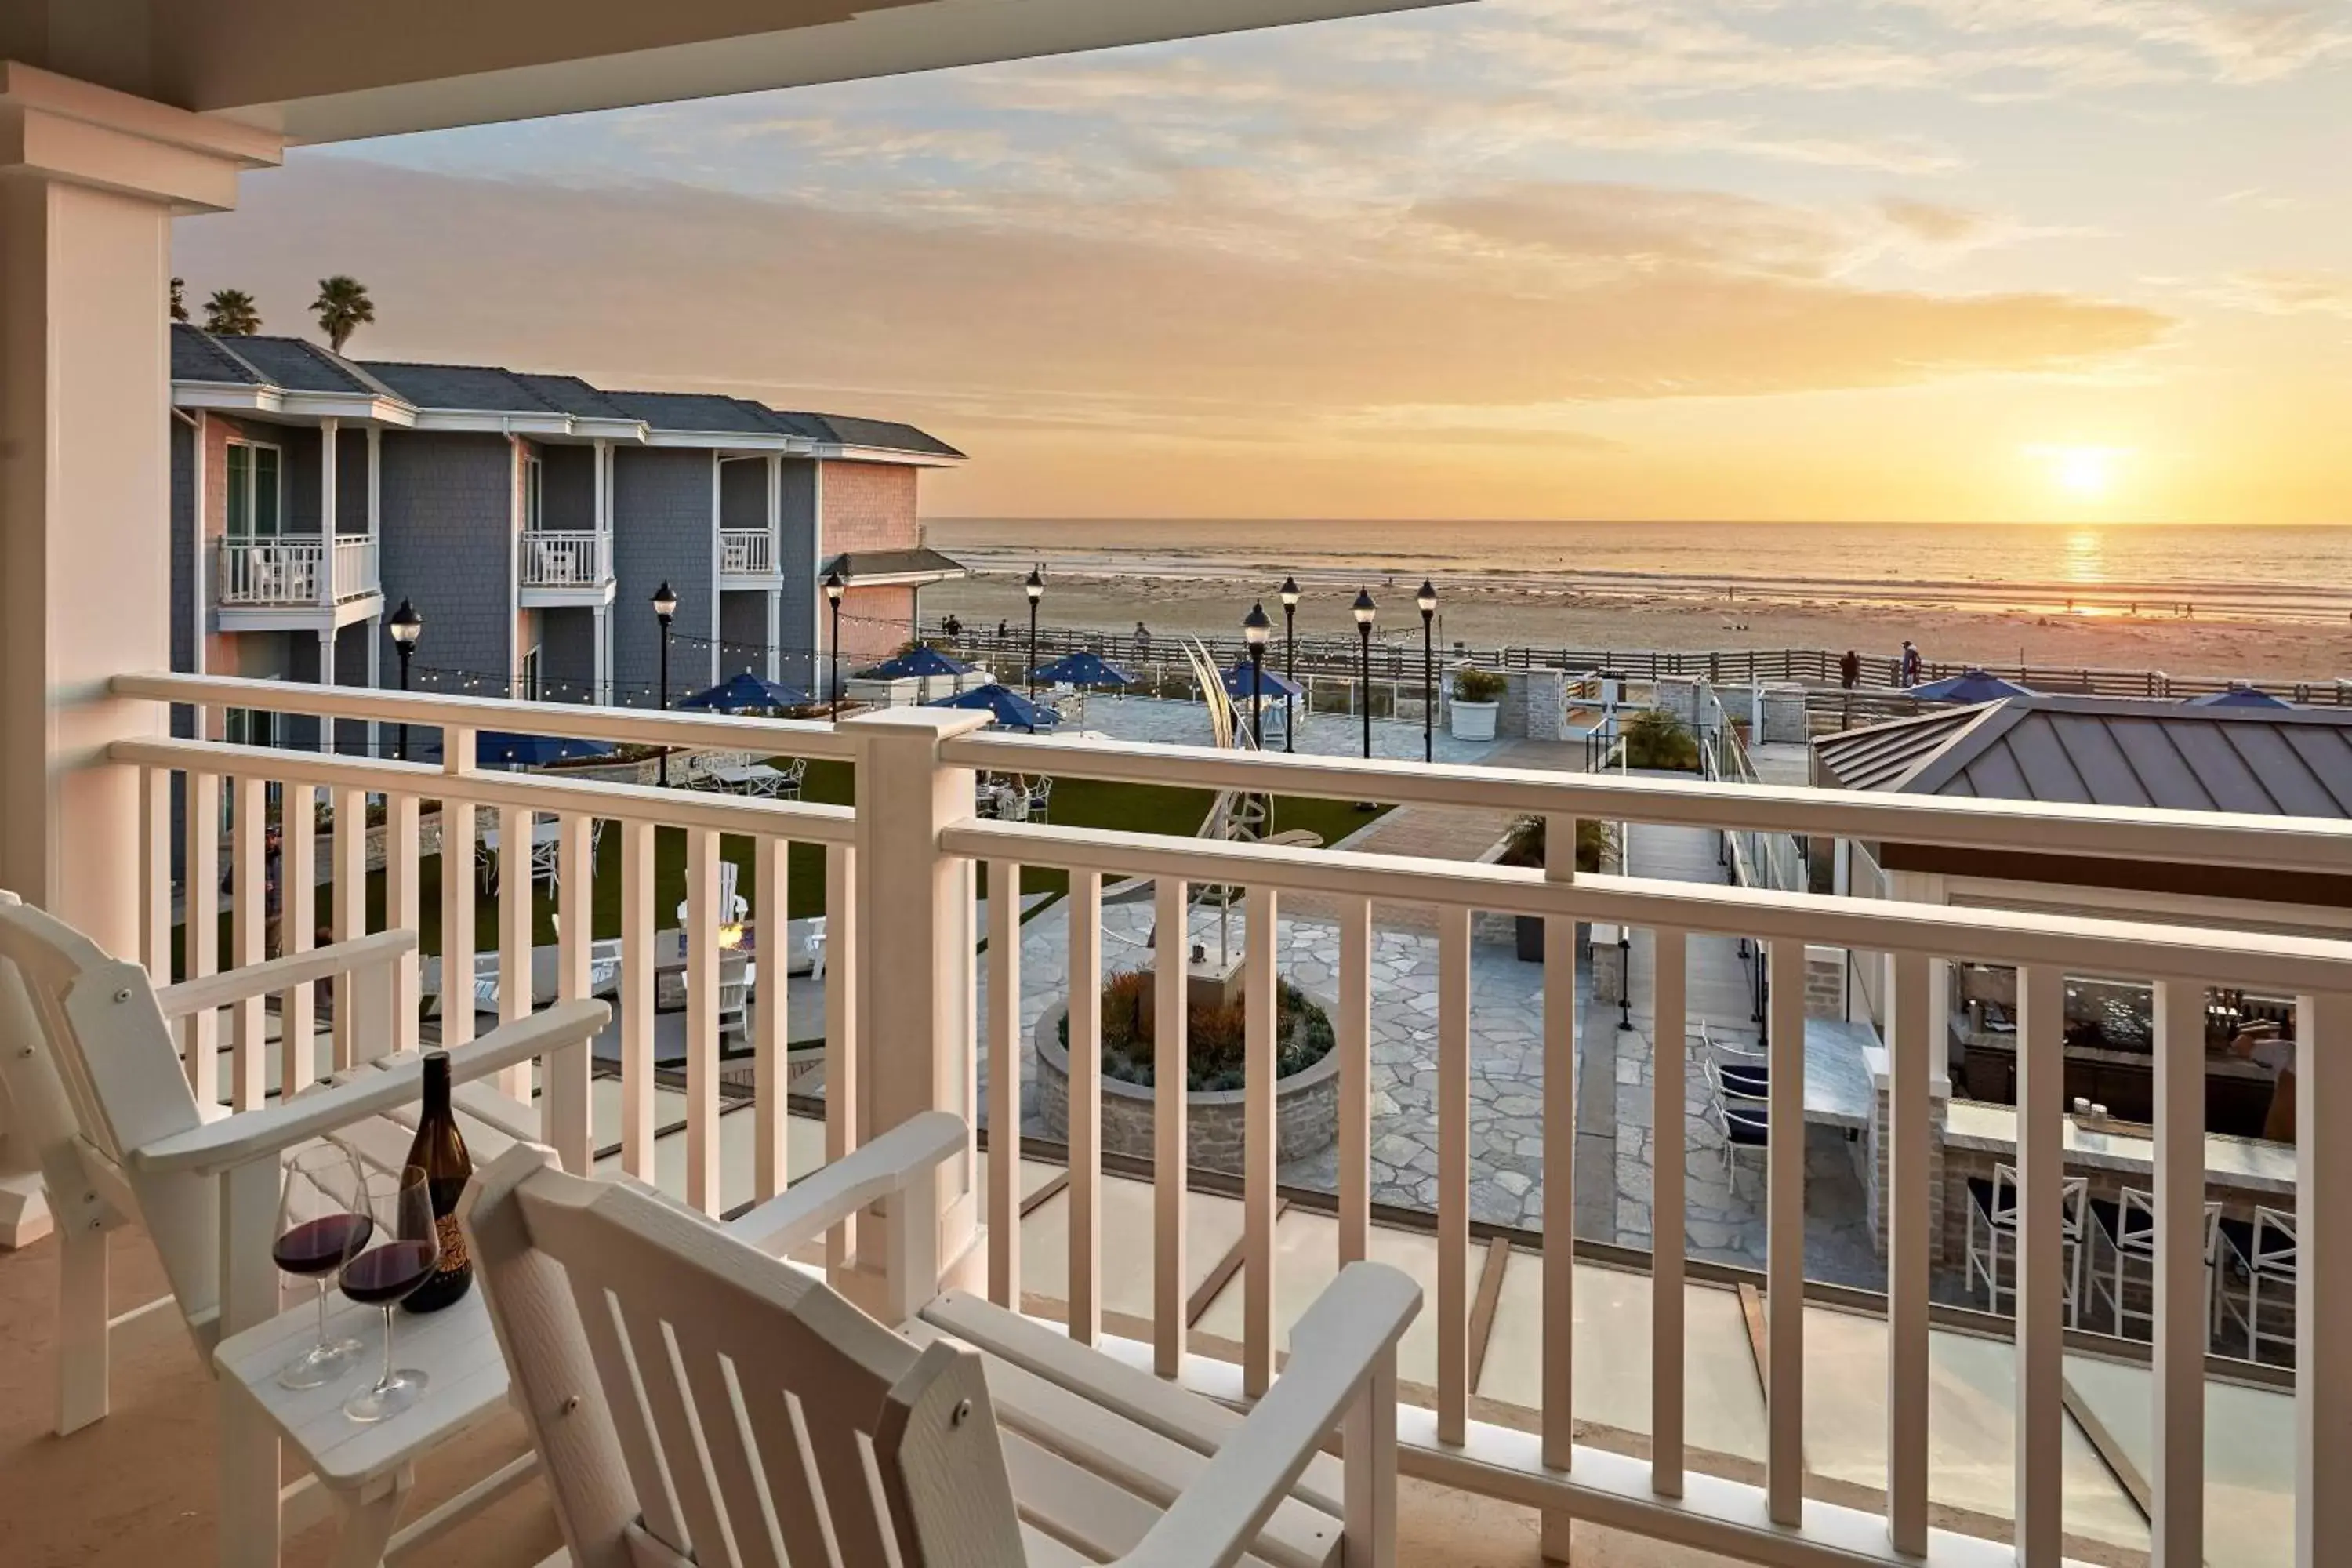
x=231 y=313
x=179 y=299
x=342 y=308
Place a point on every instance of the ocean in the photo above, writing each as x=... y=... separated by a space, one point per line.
x=2285 y=572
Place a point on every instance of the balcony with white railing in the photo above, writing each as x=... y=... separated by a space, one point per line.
x=566 y=568
x=259 y=581
x=746 y=553
x=1703 y=1416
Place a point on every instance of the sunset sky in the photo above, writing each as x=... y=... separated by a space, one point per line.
x=1996 y=259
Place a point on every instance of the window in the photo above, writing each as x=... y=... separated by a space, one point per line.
x=530 y=677
x=255 y=490
x=530 y=492
x=252 y=727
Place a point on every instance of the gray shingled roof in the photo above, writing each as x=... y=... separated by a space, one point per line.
x=197 y=355
x=2102 y=752
x=850 y=431
x=460 y=386
x=695 y=411
x=571 y=394
x=298 y=365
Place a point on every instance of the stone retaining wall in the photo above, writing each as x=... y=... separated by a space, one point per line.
x=1306 y=1108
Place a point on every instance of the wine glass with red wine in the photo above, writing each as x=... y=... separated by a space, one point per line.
x=323 y=1220
x=398 y=1257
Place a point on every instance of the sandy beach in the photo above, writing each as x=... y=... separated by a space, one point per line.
x=1486 y=615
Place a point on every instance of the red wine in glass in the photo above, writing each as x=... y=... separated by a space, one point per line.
x=401 y=1256
x=323 y=1220
x=388 y=1273
x=318 y=1247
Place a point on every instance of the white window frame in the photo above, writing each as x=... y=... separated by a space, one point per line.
x=535 y=495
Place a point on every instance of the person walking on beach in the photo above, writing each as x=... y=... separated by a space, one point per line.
x=1908 y=674
x=1850 y=670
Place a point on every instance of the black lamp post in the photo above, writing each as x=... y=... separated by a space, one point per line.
x=1036 y=588
x=1427 y=600
x=834 y=587
x=665 y=607
x=1289 y=591
x=406 y=626
x=1624 y=975
x=1256 y=629
x=1365 y=613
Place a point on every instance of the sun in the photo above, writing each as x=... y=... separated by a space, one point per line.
x=2084 y=473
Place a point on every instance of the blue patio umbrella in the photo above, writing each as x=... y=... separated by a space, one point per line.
x=1012 y=710
x=513 y=751
x=2237 y=695
x=1971 y=685
x=748 y=693
x=1272 y=683
x=1083 y=669
x=915 y=664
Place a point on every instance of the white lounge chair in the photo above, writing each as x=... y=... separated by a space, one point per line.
x=684 y=1387
x=97 y=1085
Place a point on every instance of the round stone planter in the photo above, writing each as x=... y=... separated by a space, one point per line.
x=1306 y=1108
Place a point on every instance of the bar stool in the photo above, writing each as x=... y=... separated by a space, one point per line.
x=2128 y=1226
x=1992 y=1216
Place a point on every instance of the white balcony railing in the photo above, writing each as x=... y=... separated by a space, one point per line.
x=898 y=896
x=294 y=571
x=577 y=560
x=746 y=552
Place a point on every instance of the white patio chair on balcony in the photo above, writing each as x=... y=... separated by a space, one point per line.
x=98 y=1083
x=733 y=907
x=684 y=1387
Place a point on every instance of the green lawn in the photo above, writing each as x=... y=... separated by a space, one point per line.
x=1080 y=802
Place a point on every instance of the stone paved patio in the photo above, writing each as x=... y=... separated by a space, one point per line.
x=1723 y=1220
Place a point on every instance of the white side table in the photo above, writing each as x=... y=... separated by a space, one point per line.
x=367 y=1470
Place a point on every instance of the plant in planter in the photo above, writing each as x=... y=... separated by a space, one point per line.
x=1215 y=1046
x=1526 y=847
x=1656 y=739
x=1476 y=695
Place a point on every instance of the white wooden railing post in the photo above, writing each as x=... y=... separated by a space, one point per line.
x=914 y=967
x=2323 y=1354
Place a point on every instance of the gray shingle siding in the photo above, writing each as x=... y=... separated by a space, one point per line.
x=661 y=533
x=798 y=635
x=448 y=546
x=298 y=474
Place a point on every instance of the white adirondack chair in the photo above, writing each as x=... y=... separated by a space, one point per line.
x=695 y=1400
x=732 y=906
x=95 y=1078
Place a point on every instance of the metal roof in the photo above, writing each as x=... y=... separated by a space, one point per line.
x=863 y=565
x=2092 y=751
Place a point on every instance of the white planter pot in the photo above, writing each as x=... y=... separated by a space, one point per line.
x=1471 y=720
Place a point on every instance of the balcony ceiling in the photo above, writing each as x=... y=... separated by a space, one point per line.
x=333 y=71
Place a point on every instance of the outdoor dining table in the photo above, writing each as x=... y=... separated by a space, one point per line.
x=544 y=832
x=753 y=778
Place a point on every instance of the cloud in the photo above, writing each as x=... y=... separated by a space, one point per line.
x=1095 y=325
x=1934 y=222
x=2285 y=291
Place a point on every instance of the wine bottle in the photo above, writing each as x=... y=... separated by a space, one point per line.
x=440 y=1152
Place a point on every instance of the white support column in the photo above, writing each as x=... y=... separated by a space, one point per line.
x=913 y=1048
x=776 y=561
x=326 y=679
x=604 y=656
x=717 y=488
x=2323 y=1353
x=775 y=632
x=89 y=179
x=330 y=438
x=376 y=542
